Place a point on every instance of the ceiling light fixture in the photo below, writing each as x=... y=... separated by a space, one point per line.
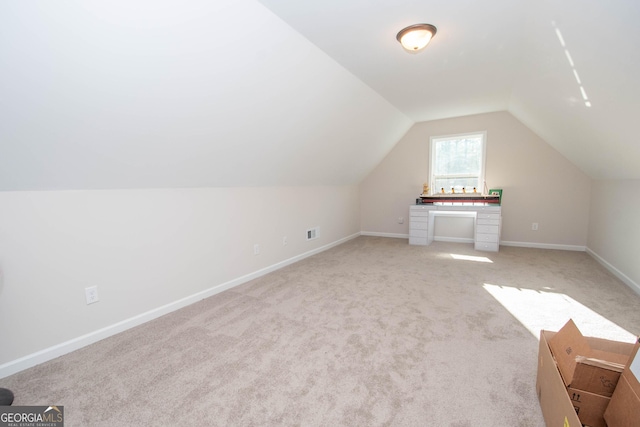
x=416 y=37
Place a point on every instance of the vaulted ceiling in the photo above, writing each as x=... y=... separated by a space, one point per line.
x=144 y=94
x=540 y=60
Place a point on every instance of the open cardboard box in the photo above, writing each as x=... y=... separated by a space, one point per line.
x=586 y=366
x=624 y=409
x=562 y=402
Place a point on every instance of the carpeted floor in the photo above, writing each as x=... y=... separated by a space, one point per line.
x=372 y=332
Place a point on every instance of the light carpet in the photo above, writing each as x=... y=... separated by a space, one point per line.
x=373 y=332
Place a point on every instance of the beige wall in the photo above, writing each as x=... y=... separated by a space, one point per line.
x=614 y=228
x=539 y=184
x=148 y=251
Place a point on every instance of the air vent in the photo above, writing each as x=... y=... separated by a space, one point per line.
x=313 y=233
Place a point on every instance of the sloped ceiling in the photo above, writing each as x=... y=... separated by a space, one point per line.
x=144 y=93
x=528 y=57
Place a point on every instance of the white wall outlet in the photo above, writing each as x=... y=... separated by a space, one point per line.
x=256 y=249
x=400 y=220
x=284 y=241
x=91 y=294
x=534 y=226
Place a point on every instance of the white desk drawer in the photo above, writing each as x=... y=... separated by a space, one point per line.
x=420 y=208
x=418 y=225
x=485 y=221
x=481 y=237
x=489 y=209
x=418 y=241
x=486 y=215
x=418 y=233
x=484 y=246
x=491 y=229
x=419 y=216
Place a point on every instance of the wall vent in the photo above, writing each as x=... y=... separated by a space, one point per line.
x=313 y=233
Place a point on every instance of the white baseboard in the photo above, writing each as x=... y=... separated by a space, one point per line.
x=453 y=239
x=470 y=240
x=63 y=348
x=544 y=246
x=406 y=236
x=619 y=274
x=376 y=234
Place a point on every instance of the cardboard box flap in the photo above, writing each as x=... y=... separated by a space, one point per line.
x=632 y=373
x=566 y=345
x=604 y=364
x=624 y=408
x=618 y=355
x=599 y=345
x=596 y=377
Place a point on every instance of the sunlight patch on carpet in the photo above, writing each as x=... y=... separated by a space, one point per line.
x=538 y=310
x=471 y=258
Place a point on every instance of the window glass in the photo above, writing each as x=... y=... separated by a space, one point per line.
x=457 y=162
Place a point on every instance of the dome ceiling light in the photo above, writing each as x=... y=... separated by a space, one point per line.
x=416 y=37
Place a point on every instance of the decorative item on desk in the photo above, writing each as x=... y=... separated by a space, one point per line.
x=474 y=190
x=425 y=189
x=453 y=190
x=496 y=192
x=464 y=190
x=442 y=190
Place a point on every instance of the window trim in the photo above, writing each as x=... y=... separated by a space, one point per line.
x=432 y=159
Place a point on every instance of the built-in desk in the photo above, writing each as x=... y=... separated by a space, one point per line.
x=486 y=225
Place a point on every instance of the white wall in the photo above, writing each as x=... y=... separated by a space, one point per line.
x=143 y=249
x=614 y=228
x=156 y=94
x=539 y=184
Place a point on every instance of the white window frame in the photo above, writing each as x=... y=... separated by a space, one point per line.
x=432 y=160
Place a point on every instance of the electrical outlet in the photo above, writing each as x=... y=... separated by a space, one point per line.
x=91 y=294
x=534 y=226
x=400 y=220
x=256 y=249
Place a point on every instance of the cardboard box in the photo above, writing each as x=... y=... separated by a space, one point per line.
x=624 y=409
x=589 y=407
x=568 y=406
x=556 y=406
x=586 y=367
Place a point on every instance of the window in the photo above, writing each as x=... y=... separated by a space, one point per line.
x=457 y=161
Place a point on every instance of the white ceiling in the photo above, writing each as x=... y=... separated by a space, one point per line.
x=167 y=93
x=496 y=55
x=468 y=68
